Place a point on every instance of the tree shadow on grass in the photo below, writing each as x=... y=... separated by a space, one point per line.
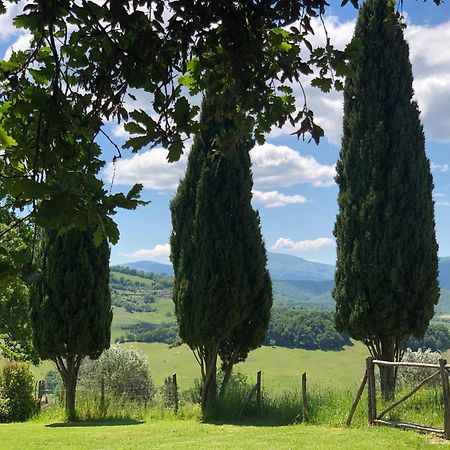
x=96 y=423
x=252 y=422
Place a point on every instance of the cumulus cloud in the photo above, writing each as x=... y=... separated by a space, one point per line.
x=160 y=253
x=275 y=199
x=314 y=244
x=149 y=168
x=439 y=167
x=7 y=29
x=431 y=71
x=277 y=166
x=274 y=167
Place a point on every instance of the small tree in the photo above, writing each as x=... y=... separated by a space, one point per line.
x=125 y=373
x=71 y=304
x=216 y=246
x=386 y=274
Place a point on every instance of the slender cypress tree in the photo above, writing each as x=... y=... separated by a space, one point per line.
x=71 y=304
x=217 y=250
x=386 y=276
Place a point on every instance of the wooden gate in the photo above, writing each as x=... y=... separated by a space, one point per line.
x=442 y=372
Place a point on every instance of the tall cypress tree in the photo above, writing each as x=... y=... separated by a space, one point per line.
x=71 y=304
x=217 y=250
x=386 y=276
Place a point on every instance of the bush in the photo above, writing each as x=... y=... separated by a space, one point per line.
x=410 y=376
x=124 y=371
x=17 y=402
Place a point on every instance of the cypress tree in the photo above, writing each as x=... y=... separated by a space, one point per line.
x=217 y=250
x=386 y=275
x=71 y=304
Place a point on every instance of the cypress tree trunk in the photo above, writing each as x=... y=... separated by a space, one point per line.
x=387 y=373
x=209 y=388
x=68 y=369
x=227 y=371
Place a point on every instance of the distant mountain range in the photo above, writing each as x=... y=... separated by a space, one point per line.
x=150 y=266
x=292 y=268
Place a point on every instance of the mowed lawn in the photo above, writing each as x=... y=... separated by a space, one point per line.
x=190 y=434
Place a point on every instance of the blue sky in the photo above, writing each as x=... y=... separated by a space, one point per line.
x=294 y=188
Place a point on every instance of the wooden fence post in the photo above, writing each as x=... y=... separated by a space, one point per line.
x=304 y=398
x=371 y=404
x=258 y=389
x=446 y=397
x=175 y=392
x=356 y=401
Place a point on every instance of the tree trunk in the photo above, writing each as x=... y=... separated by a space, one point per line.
x=209 y=388
x=68 y=370
x=387 y=373
x=226 y=378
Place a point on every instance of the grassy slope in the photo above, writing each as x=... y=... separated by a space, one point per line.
x=281 y=367
x=189 y=434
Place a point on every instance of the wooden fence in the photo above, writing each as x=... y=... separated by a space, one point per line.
x=442 y=372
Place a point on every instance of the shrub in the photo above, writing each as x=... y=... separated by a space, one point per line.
x=409 y=376
x=124 y=371
x=17 y=402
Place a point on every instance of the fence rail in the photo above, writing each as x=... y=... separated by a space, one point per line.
x=377 y=419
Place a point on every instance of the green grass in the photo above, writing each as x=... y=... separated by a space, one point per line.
x=125 y=276
x=281 y=367
x=189 y=434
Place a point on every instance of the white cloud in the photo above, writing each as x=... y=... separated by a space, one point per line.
x=273 y=167
x=439 y=195
x=314 y=244
x=446 y=204
x=22 y=43
x=275 y=199
x=150 y=168
x=160 y=253
x=431 y=70
x=7 y=29
x=439 y=167
x=277 y=166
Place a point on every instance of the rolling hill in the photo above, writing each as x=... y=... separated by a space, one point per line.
x=281 y=267
x=150 y=266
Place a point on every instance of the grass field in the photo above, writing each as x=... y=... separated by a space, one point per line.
x=281 y=367
x=191 y=434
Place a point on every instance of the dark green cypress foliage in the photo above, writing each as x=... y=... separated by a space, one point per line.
x=249 y=334
x=216 y=247
x=386 y=276
x=71 y=304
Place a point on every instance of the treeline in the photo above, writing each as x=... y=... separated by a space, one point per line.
x=437 y=339
x=165 y=332
x=289 y=327
x=306 y=329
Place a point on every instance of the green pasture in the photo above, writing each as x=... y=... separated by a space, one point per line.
x=133 y=278
x=191 y=434
x=281 y=367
